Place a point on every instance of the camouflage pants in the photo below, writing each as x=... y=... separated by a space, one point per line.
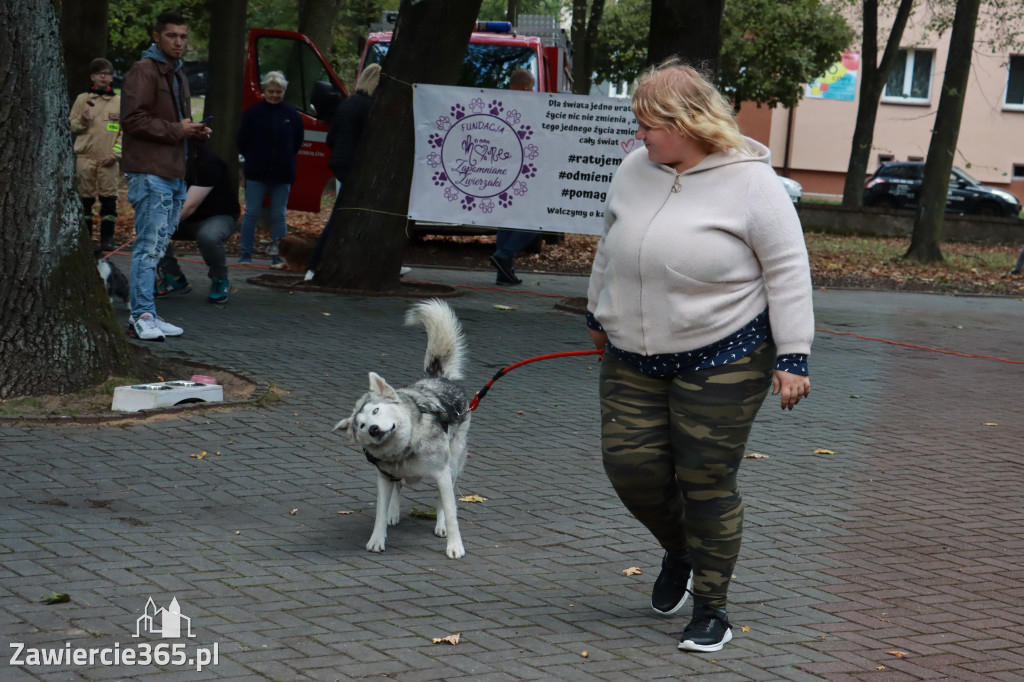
x=672 y=449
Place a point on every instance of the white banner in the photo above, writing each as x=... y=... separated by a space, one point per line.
x=526 y=160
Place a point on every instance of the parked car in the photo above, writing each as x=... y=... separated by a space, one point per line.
x=793 y=188
x=897 y=184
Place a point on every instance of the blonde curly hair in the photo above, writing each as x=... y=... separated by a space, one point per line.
x=678 y=97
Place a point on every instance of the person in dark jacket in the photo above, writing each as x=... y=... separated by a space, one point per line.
x=269 y=138
x=346 y=130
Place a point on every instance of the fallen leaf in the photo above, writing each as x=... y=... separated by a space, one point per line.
x=344 y=513
x=991 y=424
x=498 y=306
x=632 y=570
x=326 y=314
x=293 y=512
x=823 y=451
x=585 y=654
x=472 y=498
x=56 y=598
x=450 y=639
x=897 y=654
x=429 y=514
x=238 y=532
x=744 y=628
x=880 y=667
x=755 y=455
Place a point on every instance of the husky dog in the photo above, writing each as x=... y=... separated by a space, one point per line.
x=418 y=431
x=117 y=283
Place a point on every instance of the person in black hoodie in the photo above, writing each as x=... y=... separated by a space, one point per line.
x=269 y=138
x=346 y=129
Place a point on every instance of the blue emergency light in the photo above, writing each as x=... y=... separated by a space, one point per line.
x=494 y=27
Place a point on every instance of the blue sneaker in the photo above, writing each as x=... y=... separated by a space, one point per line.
x=245 y=260
x=170 y=285
x=219 y=289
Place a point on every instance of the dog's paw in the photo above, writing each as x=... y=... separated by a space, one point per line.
x=455 y=550
x=440 y=528
x=376 y=544
x=393 y=519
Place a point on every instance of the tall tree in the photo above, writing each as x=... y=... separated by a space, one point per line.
x=584 y=37
x=873 y=74
x=364 y=248
x=84 y=37
x=317 y=19
x=57 y=327
x=931 y=211
x=227 y=64
x=688 y=29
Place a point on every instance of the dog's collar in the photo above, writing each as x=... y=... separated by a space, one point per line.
x=375 y=461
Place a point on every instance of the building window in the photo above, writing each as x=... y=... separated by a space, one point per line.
x=910 y=81
x=1018 y=171
x=885 y=158
x=1015 y=83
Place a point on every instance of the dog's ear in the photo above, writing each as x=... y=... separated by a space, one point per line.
x=343 y=424
x=380 y=387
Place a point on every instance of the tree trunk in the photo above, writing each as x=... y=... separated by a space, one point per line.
x=688 y=29
x=83 y=37
x=584 y=37
x=365 y=245
x=872 y=82
x=931 y=211
x=316 y=20
x=57 y=327
x=227 y=64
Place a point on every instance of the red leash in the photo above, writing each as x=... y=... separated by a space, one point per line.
x=475 y=402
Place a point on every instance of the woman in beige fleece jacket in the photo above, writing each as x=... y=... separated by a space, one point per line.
x=700 y=295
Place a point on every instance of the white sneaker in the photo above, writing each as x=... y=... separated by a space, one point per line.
x=405 y=270
x=309 y=275
x=165 y=327
x=145 y=328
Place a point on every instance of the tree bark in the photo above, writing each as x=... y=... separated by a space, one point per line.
x=57 y=327
x=368 y=237
x=227 y=65
x=317 y=19
x=873 y=75
x=931 y=211
x=83 y=38
x=584 y=37
x=688 y=29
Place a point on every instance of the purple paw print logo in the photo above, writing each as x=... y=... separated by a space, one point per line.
x=504 y=200
x=458 y=111
x=443 y=123
x=513 y=117
x=433 y=159
x=520 y=189
x=435 y=140
x=525 y=133
x=496 y=107
x=451 y=194
x=486 y=206
x=468 y=202
x=532 y=152
x=529 y=170
x=476 y=105
x=440 y=179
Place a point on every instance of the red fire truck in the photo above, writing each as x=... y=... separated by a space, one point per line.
x=495 y=51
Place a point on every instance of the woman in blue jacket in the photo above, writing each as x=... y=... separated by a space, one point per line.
x=269 y=138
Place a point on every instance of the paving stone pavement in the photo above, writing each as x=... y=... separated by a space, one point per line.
x=894 y=557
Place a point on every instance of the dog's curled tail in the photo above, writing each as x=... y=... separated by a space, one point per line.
x=445 y=343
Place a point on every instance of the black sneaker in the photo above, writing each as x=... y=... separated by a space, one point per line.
x=107 y=245
x=506 y=270
x=673 y=585
x=709 y=629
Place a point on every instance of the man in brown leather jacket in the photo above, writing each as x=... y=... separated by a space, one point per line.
x=156 y=121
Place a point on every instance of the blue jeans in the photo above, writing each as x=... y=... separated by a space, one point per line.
x=509 y=243
x=255 y=191
x=157 y=202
